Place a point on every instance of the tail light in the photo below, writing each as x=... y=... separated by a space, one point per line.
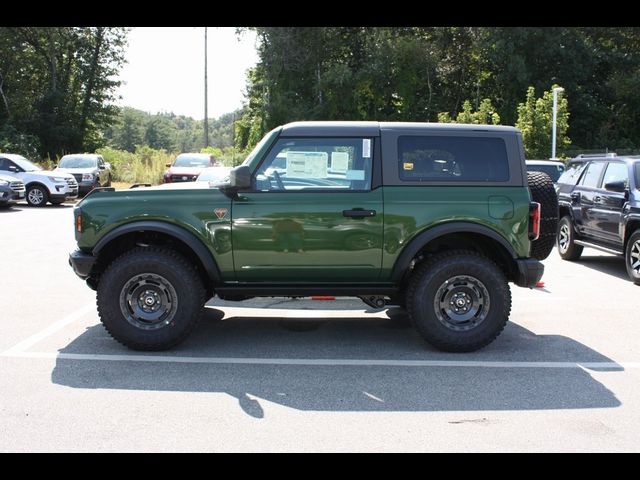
x=534 y=220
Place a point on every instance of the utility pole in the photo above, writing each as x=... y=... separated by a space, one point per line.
x=206 y=121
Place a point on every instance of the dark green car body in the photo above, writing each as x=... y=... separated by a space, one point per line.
x=433 y=218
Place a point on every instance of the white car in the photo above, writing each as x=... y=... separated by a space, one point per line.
x=42 y=186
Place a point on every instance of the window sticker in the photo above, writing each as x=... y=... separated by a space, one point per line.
x=355 y=175
x=339 y=162
x=407 y=165
x=366 y=148
x=307 y=164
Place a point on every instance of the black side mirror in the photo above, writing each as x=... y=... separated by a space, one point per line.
x=240 y=178
x=13 y=168
x=101 y=167
x=617 y=186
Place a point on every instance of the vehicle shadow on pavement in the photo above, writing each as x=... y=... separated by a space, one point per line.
x=346 y=388
x=611 y=265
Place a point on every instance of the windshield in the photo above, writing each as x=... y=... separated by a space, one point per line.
x=26 y=165
x=77 y=162
x=265 y=141
x=637 y=170
x=192 y=161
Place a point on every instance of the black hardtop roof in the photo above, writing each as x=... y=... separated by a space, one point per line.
x=346 y=128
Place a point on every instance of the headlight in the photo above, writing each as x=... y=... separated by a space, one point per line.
x=57 y=179
x=87 y=177
x=3 y=183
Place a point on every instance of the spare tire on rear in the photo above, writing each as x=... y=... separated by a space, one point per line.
x=543 y=192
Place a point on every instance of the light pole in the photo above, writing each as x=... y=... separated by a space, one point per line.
x=206 y=120
x=555 y=115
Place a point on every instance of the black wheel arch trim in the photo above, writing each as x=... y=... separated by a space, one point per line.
x=426 y=236
x=180 y=233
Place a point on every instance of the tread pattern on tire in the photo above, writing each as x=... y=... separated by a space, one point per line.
x=424 y=269
x=189 y=274
x=543 y=192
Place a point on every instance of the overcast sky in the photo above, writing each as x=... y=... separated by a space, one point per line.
x=165 y=70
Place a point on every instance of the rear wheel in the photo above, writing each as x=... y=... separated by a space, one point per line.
x=459 y=301
x=567 y=249
x=37 y=196
x=150 y=298
x=632 y=257
x=543 y=192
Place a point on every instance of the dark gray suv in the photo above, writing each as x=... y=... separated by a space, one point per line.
x=90 y=170
x=599 y=201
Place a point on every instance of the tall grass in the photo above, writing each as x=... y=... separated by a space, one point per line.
x=145 y=165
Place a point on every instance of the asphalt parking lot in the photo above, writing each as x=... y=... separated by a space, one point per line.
x=303 y=375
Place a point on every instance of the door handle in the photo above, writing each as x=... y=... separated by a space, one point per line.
x=359 y=213
x=575 y=197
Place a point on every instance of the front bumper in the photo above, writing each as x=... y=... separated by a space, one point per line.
x=82 y=263
x=530 y=272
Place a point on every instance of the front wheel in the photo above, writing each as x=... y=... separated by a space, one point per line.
x=37 y=196
x=150 y=298
x=459 y=301
x=632 y=257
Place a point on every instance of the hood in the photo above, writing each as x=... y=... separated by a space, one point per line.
x=76 y=170
x=9 y=178
x=51 y=173
x=178 y=186
x=185 y=170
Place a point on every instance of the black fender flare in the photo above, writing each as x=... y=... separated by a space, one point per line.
x=193 y=242
x=419 y=241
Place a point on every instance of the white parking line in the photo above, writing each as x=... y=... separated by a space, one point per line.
x=342 y=362
x=50 y=330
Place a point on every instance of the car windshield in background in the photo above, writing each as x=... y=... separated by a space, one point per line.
x=77 y=162
x=26 y=165
x=192 y=161
x=637 y=170
x=554 y=171
x=215 y=174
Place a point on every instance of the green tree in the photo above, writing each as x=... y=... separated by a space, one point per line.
x=58 y=84
x=535 y=120
x=486 y=114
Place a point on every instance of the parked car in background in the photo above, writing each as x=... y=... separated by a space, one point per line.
x=42 y=185
x=11 y=190
x=89 y=170
x=217 y=175
x=187 y=166
x=553 y=168
x=599 y=202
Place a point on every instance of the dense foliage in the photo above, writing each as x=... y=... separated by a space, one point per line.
x=174 y=133
x=57 y=87
x=417 y=73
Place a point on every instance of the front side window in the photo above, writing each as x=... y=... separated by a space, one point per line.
x=591 y=177
x=452 y=159
x=616 y=172
x=332 y=164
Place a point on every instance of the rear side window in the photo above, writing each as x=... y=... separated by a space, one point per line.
x=572 y=173
x=452 y=159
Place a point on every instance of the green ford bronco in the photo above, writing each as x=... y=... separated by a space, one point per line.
x=434 y=218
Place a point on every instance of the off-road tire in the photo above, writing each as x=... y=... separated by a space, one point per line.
x=567 y=249
x=543 y=192
x=452 y=276
x=144 y=274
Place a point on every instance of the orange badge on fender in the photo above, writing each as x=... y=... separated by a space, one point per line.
x=220 y=213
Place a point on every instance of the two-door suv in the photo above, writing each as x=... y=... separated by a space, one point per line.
x=436 y=218
x=599 y=201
